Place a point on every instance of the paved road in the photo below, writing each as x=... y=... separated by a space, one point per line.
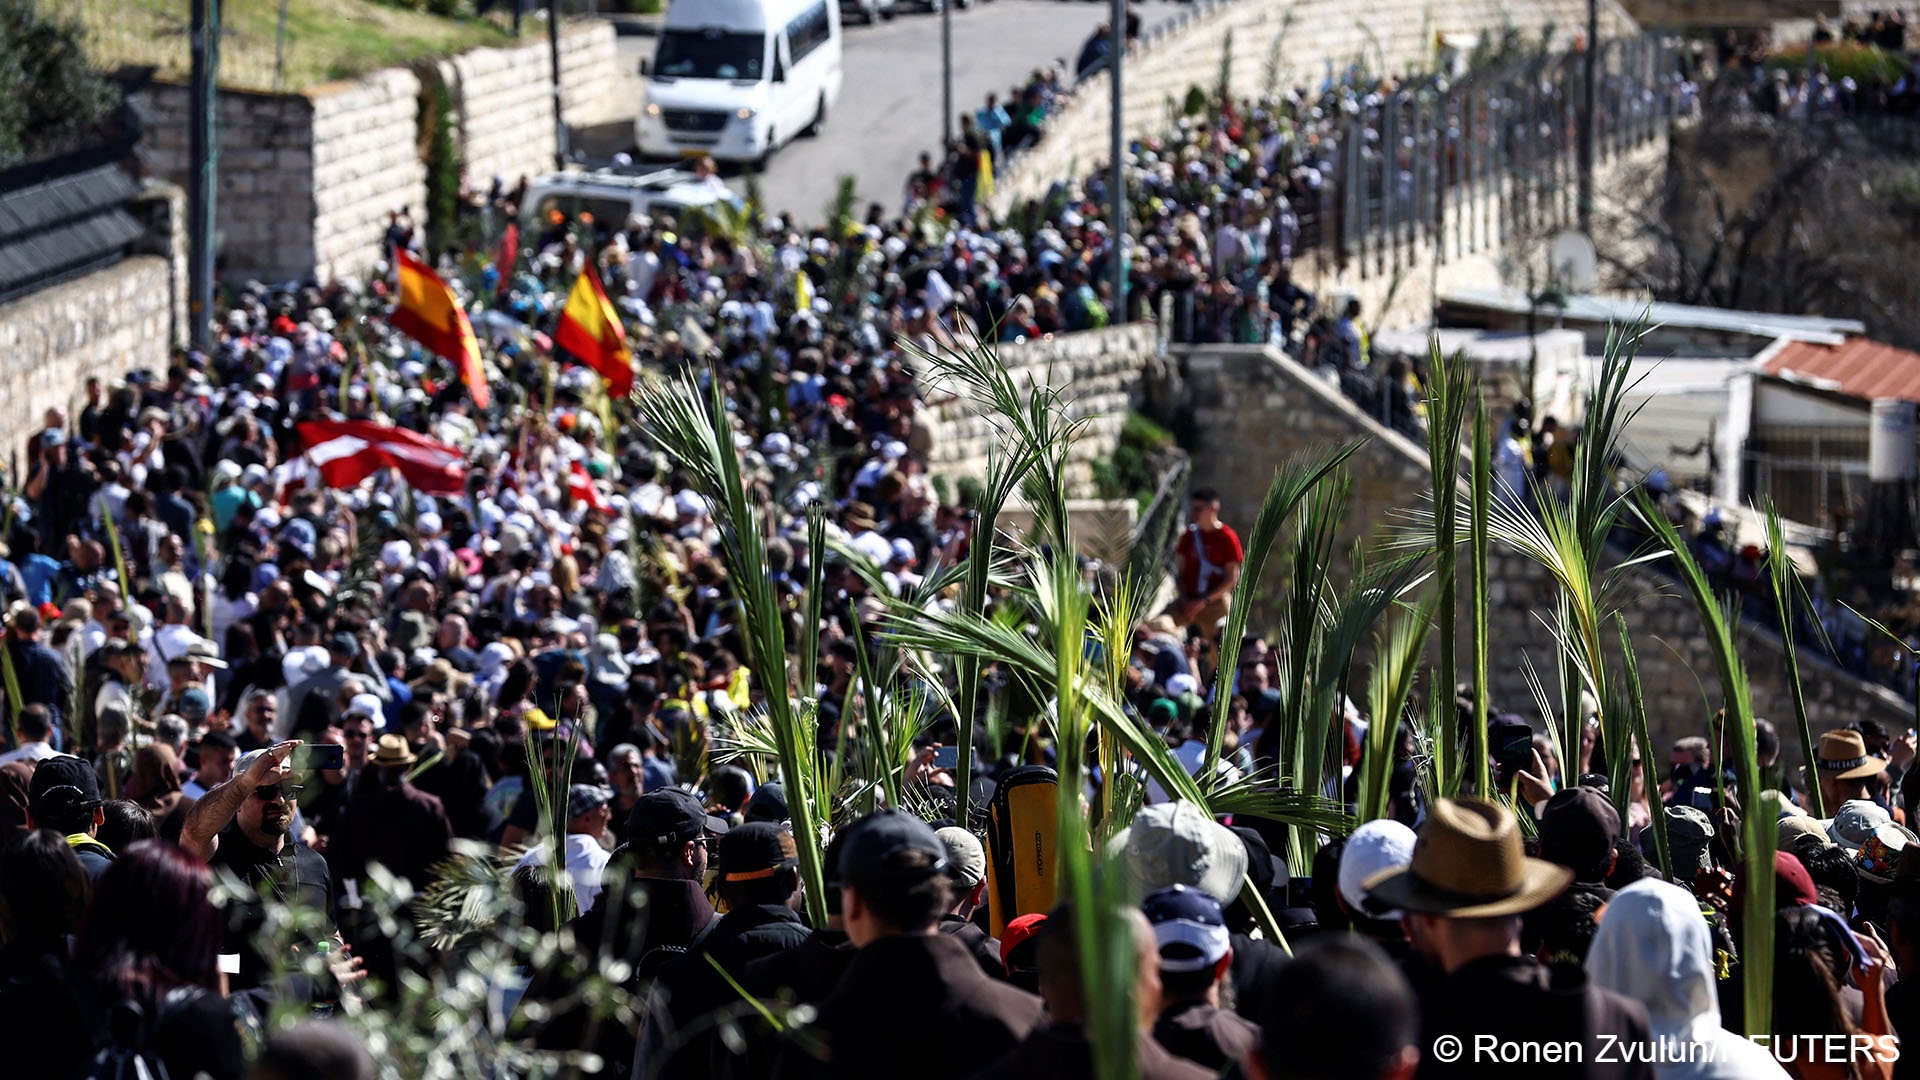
x=889 y=108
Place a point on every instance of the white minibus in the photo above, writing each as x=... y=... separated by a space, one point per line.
x=736 y=79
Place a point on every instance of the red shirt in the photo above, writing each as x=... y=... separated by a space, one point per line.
x=1220 y=547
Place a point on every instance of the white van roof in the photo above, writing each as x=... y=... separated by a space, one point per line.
x=734 y=14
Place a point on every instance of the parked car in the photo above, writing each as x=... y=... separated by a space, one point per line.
x=612 y=197
x=870 y=11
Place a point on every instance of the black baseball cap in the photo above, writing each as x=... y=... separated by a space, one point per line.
x=1577 y=828
x=875 y=844
x=670 y=816
x=62 y=786
x=758 y=849
x=769 y=803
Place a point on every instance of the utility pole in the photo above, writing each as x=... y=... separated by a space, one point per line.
x=1117 y=180
x=946 y=74
x=1589 y=129
x=559 y=118
x=202 y=194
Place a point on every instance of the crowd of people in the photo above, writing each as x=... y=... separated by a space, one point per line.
x=235 y=691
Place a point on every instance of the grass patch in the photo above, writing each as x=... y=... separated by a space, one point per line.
x=326 y=39
x=1134 y=469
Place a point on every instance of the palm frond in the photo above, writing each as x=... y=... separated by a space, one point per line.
x=1788 y=597
x=1757 y=833
x=698 y=433
x=1396 y=667
x=1292 y=482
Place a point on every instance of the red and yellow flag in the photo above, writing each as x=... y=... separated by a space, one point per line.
x=590 y=329
x=430 y=314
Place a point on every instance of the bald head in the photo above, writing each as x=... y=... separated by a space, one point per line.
x=1062 y=983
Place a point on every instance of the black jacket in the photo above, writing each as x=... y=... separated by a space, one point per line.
x=1517 y=999
x=1255 y=960
x=902 y=996
x=1061 y=1052
x=643 y=923
x=805 y=974
x=691 y=991
x=985 y=949
x=1205 y=1035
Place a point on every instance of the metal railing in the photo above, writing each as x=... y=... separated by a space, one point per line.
x=1455 y=166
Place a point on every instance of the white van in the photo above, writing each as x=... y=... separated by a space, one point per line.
x=736 y=79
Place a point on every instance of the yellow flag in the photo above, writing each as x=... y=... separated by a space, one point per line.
x=802 y=292
x=983 y=186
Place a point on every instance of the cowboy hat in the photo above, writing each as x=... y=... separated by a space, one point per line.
x=858 y=515
x=1843 y=756
x=392 y=750
x=1468 y=863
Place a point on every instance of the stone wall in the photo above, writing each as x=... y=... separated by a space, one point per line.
x=265 y=212
x=504 y=99
x=1679 y=682
x=307 y=179
x=104 y=323
x=1100 y=373
x=362 y=164
x=1250 y=409
x=1308 y=34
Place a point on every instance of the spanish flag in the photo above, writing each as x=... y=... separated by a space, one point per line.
x=430 y=314
x=590 y=329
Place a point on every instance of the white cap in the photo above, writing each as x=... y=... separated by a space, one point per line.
x=396 y=554
x=428 y=524
x=1182 y=683
x=1374 y=848
x=366 y=705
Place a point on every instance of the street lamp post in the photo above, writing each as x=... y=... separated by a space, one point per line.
x=1117 y=179
x=946 y=72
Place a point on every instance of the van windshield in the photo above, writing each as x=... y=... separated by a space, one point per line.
x=710 y=54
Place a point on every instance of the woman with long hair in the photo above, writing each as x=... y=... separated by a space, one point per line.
x=151 y=940
x=1812 y=957
x=43 y=890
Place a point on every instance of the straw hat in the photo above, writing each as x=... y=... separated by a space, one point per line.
x=1843 y=756
x=1468 y=863
x=392 y=750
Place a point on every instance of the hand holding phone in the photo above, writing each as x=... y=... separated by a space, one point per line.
x=325 y=757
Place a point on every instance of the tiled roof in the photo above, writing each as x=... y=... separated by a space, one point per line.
x=1859 y=367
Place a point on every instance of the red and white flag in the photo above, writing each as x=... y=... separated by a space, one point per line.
x=348 y=451
x=580 y=486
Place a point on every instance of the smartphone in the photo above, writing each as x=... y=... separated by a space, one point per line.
x=322 y=756
x=1512 y=742
x=946 y=757
x=1703 y=798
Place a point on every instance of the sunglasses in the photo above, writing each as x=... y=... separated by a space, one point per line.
x=270 y=793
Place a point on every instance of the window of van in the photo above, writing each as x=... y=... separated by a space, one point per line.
x=710 y=54
x=808 y=31
x=607 y=213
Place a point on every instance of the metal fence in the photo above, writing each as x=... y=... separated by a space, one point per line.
x=1456 y=166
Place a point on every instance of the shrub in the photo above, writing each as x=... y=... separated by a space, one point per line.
x=52 y=94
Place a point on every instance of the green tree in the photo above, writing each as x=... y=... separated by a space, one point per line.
x=48 y=93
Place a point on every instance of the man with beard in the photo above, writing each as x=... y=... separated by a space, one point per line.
x=242 y=828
